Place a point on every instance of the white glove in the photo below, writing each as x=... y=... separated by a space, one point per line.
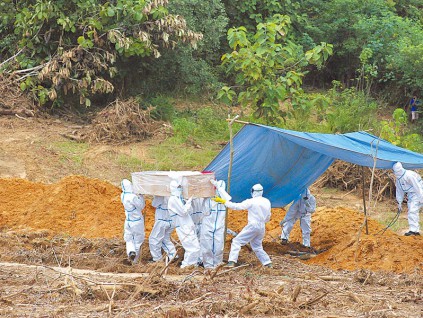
x=188 y=202
x=213 y=182
x=399 y=207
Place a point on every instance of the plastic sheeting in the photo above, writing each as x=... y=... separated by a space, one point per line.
x=194 y=183
x=285 y=162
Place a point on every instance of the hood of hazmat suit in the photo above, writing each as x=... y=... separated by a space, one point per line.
x=257 y=190
x=126 y=186
x=175 y=188
x=398 y=169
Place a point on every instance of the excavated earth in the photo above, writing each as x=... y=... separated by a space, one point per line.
x=51 y=233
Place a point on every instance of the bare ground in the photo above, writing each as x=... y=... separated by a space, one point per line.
x=70 y=277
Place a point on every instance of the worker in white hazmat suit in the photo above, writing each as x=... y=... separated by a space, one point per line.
x=301 y=209
x=185 y=227
x=410 y=183
x=197 y=214
x=163 y=227
x=259 y=212
x=134 y=222
x=213 y=227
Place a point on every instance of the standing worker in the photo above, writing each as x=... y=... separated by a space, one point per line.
x=259 y=211
x=197 y=214
x=410 y=183
x=134 y=222
x=164 y=225
x=301 y=209
x=213 y=227
x=185 y=227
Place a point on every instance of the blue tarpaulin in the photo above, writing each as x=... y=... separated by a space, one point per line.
x=285 y=162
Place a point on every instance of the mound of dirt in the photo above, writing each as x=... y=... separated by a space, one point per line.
x=77 y=206
x=91 y=208
x=376 y=251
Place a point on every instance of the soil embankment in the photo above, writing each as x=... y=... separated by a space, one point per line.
x=90 y=208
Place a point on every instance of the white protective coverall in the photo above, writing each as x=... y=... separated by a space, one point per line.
x=301 y=209
x=134 y=222
x=163 y=227
x=259 y=212
x=213 y=228
x=197 y=214
x=409 y=182
x=185 y=227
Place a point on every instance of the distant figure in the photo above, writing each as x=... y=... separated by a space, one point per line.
x=259 y=212
x=301 y=209
x=409 y=182
x=134 y=222
x=414 y=112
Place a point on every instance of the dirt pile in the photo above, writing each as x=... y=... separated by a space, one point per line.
x=80 y=206
x=376 y=251
x=76 y=206
x=91 y=208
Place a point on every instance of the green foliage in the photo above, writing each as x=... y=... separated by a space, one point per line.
x=71 y=151
x=185 y=70
x=251 y=12
x=397 y=132
x=335 y=111
x=71 y=47
x=197 y=138
x=269 y=68
x=205 y=125
x=163 y=108
x=358 y=27
x=350 y=110
x=131 y=163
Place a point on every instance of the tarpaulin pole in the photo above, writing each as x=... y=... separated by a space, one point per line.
x=364 y=201
x=231 y=157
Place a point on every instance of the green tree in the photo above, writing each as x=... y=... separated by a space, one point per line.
x=397 y=132
x=73 y=46
x=269 y=68
x=185 y=69
x=355 y=27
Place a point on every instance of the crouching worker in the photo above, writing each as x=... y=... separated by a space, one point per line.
x=259 y=212
x=134 y=222
x=185 y=227
x=301 y=209
x=409 y=182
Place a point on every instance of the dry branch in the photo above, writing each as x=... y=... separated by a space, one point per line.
x=313 y=301
x=295 y=293
x=248 y=307
x=122 y=121
x=232 y=269
x=346 y=177
x=13 y=100
x=354 y=297
x=333 y=278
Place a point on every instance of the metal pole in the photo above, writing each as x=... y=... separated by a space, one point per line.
x=364 y=201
